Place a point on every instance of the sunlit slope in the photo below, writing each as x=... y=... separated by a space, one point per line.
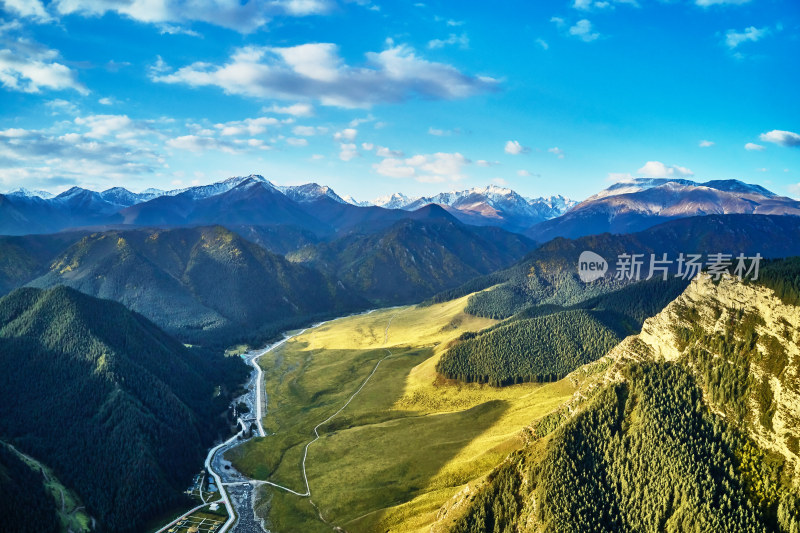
x=405 y=444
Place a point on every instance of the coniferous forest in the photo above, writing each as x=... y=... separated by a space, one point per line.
x=120 y=411
x=25 y=505
x=646 y=455
x=546 y=342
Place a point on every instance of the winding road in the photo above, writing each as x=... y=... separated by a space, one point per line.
x=307 y=493
x=235 y=489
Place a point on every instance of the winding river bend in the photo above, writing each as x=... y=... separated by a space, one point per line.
x=236 y=489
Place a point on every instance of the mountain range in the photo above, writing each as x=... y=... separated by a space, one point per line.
x=253 y=200
x=483 y=206
x=211 y=284
x=625 y=207
x=638 y=204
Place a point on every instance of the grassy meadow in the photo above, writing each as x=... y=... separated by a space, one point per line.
x=405 y=444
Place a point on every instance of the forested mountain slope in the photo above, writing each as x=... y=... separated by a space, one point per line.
x=697 y=416
x=25 y=258
x=122 y=412
x=414 y=259
x=204 y=284
x=548 y=275
x=547 y=342
x=25 y=506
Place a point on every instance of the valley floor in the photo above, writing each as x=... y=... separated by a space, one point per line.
x=403 y=446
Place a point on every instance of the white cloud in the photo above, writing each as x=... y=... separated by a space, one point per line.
x=557 y=151
x=347 y=134
x=317 y=71
x=61 y=106
x=196 y=143
x=367 y=146
x=586 y=5
x=315 y=61
x=461 y=40
x=105 y=101
x=443 y=165
x=49 y=158
x=29 y=67
x=394 y=168
x=200 y=144
x=119 y=126
x=515 y=148
x=657 y=169
x=443 y=133
x=248 y=126
x=753 y=34
x=707 y=3
x=485 y=163
x=172 y=29
x=307 y=7
x=620 y=177
x=705 y=144
x=244 y=17
x=753 y=147
x=297 y=110
x=382 y=151
x=524 y=173
x=308 y=131
x=27 y=9
x=583 y=30
x=361 y=120
x=294 y=141
x=541 y=42
x=781 y=137
x=348 y=151
x=428 y=168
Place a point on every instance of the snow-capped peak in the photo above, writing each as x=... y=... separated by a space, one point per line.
x=396 y=200
x=352 y=201
x=27 y=193
x=213 y=189
x=635 y=185
x=309 y=192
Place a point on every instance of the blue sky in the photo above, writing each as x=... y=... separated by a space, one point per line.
x=372 y=97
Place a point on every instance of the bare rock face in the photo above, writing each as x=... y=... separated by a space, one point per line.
x=706 y=317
